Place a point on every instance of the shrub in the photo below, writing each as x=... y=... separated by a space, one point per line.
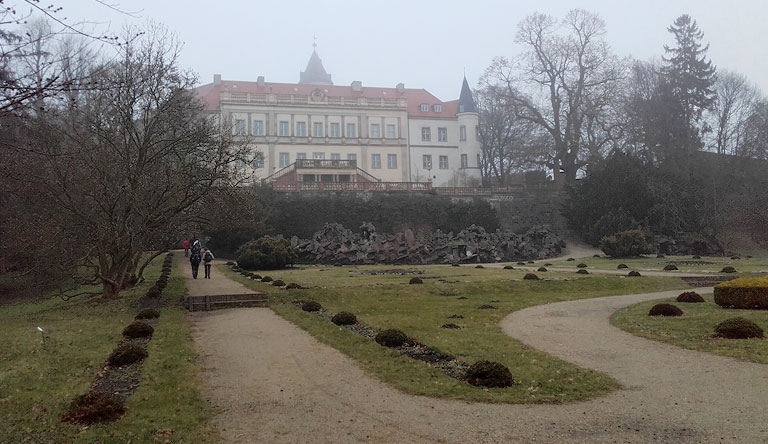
x=486 y=307
x=154 y=292
x=489 y=374
x=509 y=267
x=633 y=273
x=621 y=266
x=745 y=293
x=138 y=329
x=521 y=263
x=93 y=407
x=229 y=263
x=660 y=256
x=293 y=286
x=690 y=296
x=479 y=266
x=738 y=328
x=595 y=256
x=391 y=338
x=728 y=269
x=582 y=271
x=344 y=318
x=670 y=267
x=126 y=354
x=266 y=253
x=311 y=306
x=582 y=265
x=278 y=283
x=450 y=326
x=542 y=269
x=531 y=262
x=695 y=256
x=415 y=281
x=548 y=264
x=734 y=258
x=256 y=277
x=665 y=310
x=570 y=259
x=266 y=279
x=455 y=265
x=148 y=313
x=628 y=243
x=531 y=277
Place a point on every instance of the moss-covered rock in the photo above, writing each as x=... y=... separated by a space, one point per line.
x=391 y=338
x=344 y=318
x=665 y=310
x=738 y=328
x=489 y=374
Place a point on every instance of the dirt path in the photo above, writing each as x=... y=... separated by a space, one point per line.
x=217 y=284
x=274 y=383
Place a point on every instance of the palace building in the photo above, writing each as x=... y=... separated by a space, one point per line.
x=317 y=135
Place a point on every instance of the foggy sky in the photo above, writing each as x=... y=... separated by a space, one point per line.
x=424 y=44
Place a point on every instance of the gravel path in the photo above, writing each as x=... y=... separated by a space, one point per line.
x=274 y=383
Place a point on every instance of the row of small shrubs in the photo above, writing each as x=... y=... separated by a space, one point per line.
x=266 y=279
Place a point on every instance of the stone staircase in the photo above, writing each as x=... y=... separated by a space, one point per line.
x=213 y=302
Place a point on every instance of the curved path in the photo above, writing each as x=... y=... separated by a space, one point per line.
x=273 y=382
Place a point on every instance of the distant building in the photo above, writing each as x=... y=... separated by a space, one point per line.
x=316 y=132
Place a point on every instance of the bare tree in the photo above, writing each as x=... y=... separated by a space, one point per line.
x=734 y=103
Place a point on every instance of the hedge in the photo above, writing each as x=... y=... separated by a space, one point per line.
x=746 y=293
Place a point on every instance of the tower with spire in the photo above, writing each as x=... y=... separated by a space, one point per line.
x=315 y=73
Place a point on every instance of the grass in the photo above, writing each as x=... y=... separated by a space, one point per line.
x=387 y=301
x=694 y=329
x=651 y=263
x=37 y=383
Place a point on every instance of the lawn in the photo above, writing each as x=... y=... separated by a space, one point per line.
x=707 y=264
x=388 y=301
x=37 y=382
x=694 y=329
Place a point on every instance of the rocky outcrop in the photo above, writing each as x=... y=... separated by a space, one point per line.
x=334 y=244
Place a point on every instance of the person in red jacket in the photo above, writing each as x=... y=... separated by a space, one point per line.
x=185 y=245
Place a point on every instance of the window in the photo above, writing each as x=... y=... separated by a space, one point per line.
x=391 y=161
x=375 y=131
x=317 y=129
x=301 y=129
x=426 y=161
x=463 y=132
x=391 y=131
x=335 y=156
x=318 y=156
x=442 y=134
x=300 y=156
x=424 y=108
x=258 y=160
x=351 y=130
x=283 y=130
x=239 y=127
x=437 y=108
x=258 y=127
x=284 y=160
x=335 y=130
x=443 y=162
x=464 y=161
x=426 y=134
x=352 y=157
x=375 y=161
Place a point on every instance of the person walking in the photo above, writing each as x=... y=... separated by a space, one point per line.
x=207 y=259
x=195 y=256
x=185 y=245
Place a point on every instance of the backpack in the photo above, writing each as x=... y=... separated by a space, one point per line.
x=196 y=247
x=195 y=257
x=208 y=256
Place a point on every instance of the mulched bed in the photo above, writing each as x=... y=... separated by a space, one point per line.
x=389 y=272
x=413 y=349
x=706 y=281
x=690 y=263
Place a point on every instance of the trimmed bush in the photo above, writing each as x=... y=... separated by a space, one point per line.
x=293 y=286
x=311 y=306
x=509 y=267
x=126 y=354
x=148 y=313
x=450 y=326
x=621 y=266
x=745 y=293
x=278 y=283
x=630 y=243
x=670 y=267
x=266 y=253
x=695 y=256
x=738 y=328
x=479 y=266
x=266 y=279
x=92 y=408
x=582 y=265
x=486 y=307
x=521 y=263
x=138 y=329
x=344 y=318
x=596 y=256
x=489 y=374
x=548 y=264
x=415 y=281
x=542 y=269
x=256 y=277
x=582 y=271
x=531 y=262
x=154 y=292
x=735 y=258
x=633 y=273
x=391 y=338
x=728 y=269
x=665 y=310
x=530 y=277
x=229 y=263
x=690 y=296
x=570 y=259
x=660 y=256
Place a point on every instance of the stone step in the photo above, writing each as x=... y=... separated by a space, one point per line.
x=213 y=302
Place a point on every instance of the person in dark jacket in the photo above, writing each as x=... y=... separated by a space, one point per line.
x=195 y=256
x=207 y=259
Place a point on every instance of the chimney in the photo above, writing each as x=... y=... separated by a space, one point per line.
x=357 y=86
x=217 y=79
x=260 y=81
x=400 y=88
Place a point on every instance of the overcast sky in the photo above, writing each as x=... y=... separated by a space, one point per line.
x=424 y=44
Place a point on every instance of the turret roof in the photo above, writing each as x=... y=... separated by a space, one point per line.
x=466 y=102
x=315 y=73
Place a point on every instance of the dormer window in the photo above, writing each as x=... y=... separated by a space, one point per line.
x=437 y=108
x=424 y=108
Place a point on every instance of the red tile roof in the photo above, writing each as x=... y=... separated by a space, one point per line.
x=210 y=95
